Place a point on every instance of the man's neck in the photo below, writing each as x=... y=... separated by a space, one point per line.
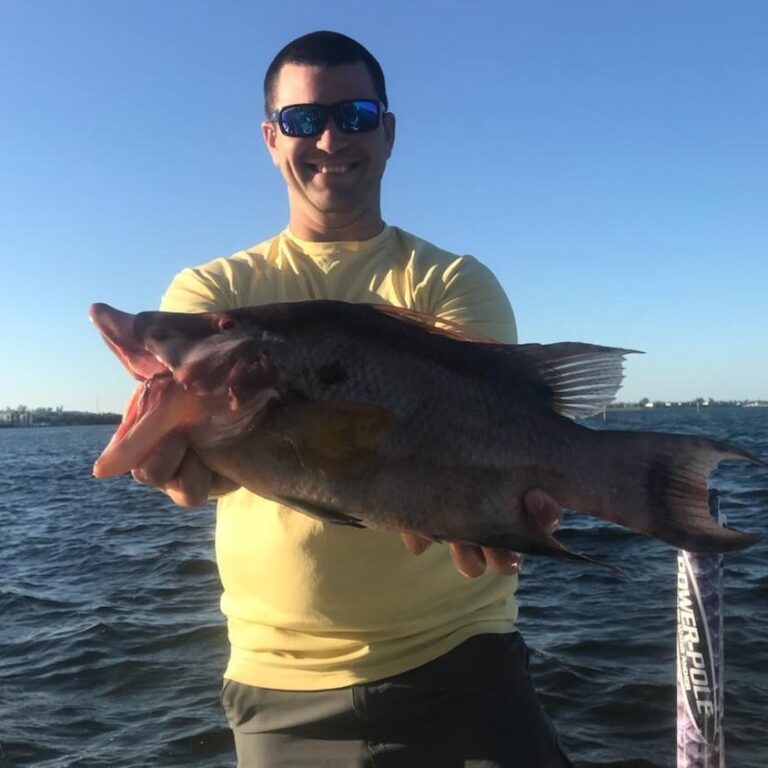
x=328 y=230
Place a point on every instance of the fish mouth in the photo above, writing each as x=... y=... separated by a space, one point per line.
x=187 y=377
x=157 y=406
x=117 y=330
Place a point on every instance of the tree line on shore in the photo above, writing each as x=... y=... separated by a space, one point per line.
x=21 y=416
x=696 y=403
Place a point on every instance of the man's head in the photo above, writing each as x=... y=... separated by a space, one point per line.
x=334 y=174
x=323 y=49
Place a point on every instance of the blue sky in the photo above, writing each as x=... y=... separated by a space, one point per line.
x=608 y=160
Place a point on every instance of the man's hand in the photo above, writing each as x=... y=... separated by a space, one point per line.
x=472 y=561
x=175 y=469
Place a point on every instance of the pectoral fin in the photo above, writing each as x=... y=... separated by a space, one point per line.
x=331 y=435
x=326 y=514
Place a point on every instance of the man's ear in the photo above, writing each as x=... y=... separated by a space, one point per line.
x=269 y=134
x=389 y=131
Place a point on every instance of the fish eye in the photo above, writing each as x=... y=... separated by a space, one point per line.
x=228 y=324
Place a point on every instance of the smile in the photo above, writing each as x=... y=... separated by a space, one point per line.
x=333 y=169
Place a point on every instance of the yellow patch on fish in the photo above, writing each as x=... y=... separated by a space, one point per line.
x=329 y=434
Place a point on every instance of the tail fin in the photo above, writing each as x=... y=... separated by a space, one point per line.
x=660 y=488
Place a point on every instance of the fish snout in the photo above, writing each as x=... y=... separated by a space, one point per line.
x=171 y=337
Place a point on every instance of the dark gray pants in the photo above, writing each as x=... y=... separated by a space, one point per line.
x=474 y=707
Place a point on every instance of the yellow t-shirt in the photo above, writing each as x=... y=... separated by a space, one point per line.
x=311 y=605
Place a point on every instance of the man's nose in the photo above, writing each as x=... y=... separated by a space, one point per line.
x=332 y=140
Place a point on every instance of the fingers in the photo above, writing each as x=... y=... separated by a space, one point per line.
x=164 y=461
x=192 y=485
x=503 y=561
x=415 y=543
x=472 y=561
x=178 y=472
x=468 y=559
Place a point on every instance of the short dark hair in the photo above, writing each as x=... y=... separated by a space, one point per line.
x=323 y=49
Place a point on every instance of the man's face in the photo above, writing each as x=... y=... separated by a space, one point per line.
x=334 y=179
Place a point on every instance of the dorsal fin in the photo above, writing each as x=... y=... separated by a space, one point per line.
x=583 y=378
x=437 y=325
x=575 y=379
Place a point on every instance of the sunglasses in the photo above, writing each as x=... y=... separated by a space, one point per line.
x=306 y=120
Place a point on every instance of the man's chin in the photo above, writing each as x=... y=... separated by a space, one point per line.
x=332 y=188
x=342 y=204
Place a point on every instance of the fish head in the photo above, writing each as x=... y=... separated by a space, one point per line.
x=211 y=353
x=209 y=374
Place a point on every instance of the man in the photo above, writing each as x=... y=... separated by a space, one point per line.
x=346 y=649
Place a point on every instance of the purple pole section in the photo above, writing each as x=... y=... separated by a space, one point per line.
x=700 y=657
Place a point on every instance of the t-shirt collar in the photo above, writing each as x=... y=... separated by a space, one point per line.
x=341 y=247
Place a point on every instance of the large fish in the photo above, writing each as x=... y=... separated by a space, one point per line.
x=377 y=417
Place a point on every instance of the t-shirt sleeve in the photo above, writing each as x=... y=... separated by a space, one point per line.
x=472 y=296
x=204 y=289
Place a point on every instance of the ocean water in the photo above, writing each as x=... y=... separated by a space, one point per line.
x=112 y=645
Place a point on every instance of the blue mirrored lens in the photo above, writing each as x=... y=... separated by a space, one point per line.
x=357 y=116
x=304 y=120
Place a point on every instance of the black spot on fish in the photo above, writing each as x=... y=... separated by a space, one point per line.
x=333 y=373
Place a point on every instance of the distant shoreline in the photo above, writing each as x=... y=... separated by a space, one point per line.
x=33 y=419
x=648 y=406
x=21 y=417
